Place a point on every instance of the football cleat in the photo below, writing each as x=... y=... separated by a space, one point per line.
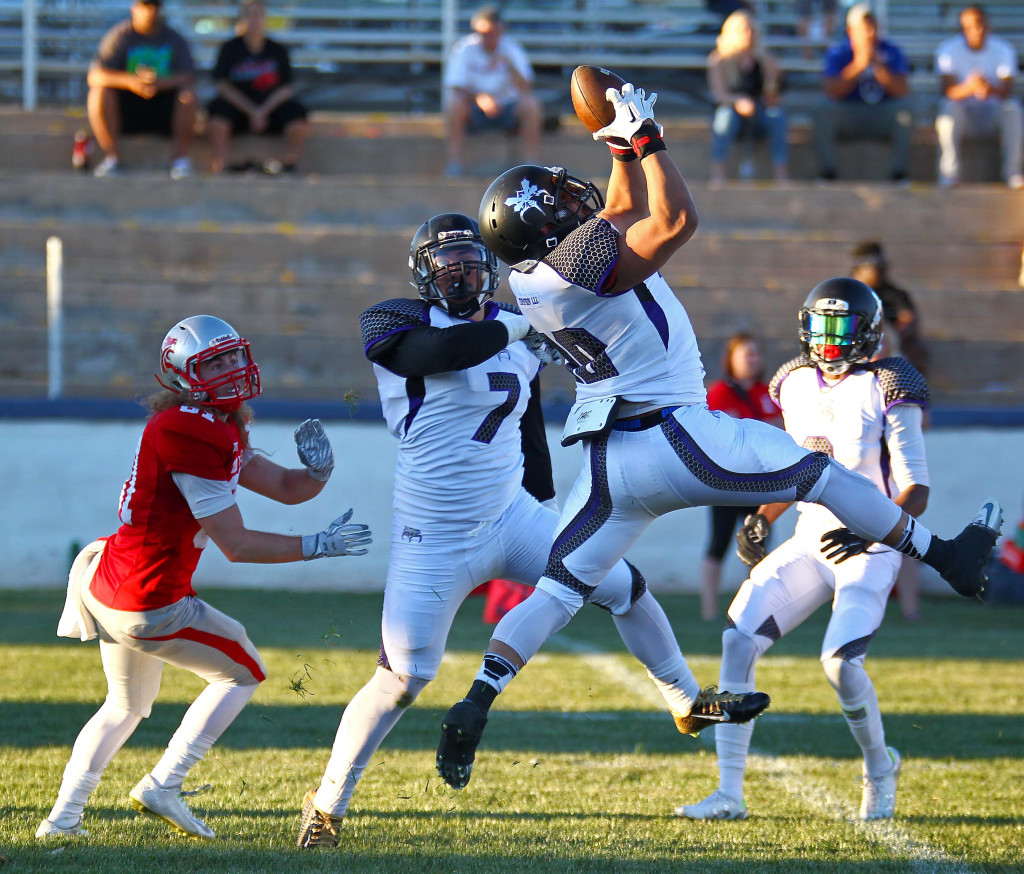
x=717 y=805
x=49 y=829
x=878 y=800
x=971 y=550
x=712 y=706
x=461 y=732
x=168 y=805
x=316 y=828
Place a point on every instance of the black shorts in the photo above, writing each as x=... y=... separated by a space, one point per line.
x=282 y=115
x=724 y=521
x=142 y=116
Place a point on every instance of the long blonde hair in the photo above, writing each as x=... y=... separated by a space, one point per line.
x=731 y=38
x=165 y=399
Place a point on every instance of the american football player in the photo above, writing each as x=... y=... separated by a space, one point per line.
x=586 y=275
x=867 y=415
x=473 y=497
x=133 y=589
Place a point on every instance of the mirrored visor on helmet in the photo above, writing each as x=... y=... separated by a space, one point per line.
x=831 y=328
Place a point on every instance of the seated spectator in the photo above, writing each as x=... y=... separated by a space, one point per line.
x=254 y=93
x=742 y=393
x=871 y=267
x=865 y=83
x=141 y=82
x=488 y=83
x=977 y=72
x=745 y=81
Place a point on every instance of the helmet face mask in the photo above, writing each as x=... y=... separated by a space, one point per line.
x=529 y=210
x=451 y=267
x=195 y=360
x=840 y=325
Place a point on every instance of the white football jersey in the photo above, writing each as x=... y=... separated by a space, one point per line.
x=455 y=429
x=847 y=420
x=638 y=344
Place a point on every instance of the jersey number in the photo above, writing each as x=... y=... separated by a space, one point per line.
x=589 y=360
x=506 y=382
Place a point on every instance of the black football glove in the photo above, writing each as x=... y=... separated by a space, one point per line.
x=752 y=539
x=842 y=543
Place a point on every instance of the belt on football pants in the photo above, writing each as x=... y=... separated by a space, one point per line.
x=647 y=420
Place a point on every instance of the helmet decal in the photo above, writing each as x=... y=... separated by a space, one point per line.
x=525 y=198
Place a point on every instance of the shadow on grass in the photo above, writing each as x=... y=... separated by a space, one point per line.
x=30 y=725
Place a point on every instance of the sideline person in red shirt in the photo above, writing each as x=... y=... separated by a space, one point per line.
x=134 y=589
x=743 y=394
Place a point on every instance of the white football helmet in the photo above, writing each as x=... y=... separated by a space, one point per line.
x=198 y=339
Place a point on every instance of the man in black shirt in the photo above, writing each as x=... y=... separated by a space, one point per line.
x=254 y=93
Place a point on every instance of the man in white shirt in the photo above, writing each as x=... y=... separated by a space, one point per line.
x=977 y=72
x=488 y=83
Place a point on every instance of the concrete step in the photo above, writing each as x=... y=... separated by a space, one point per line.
x=354 y=144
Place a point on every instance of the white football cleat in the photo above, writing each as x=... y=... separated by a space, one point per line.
x=878 y=800
x=48 y=829
x=168 y=805
x=717 y=805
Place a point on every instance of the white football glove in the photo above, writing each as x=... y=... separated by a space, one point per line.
x=542 y=348
x=314 y=449
x=632 y=109
x=338 y=538
x=517 y=326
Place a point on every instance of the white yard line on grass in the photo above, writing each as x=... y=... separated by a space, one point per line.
x=924 y=857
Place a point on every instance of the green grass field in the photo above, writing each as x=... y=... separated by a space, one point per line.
x=580 y=768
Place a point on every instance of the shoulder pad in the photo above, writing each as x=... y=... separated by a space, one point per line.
x=901 y=382
x=586 y=256
x=507 y=307
x=776 y=384
x=385 y=318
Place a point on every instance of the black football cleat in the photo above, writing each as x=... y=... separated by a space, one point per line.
x=713 y=707
x=461 y=732
x=972 y=548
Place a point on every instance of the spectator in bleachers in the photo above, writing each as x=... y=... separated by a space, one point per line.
x=141 y=82
x=865 y=83
x=871 y=267
x=254 y=94
x=488 y=83
x=745 y=81
x=977 y=71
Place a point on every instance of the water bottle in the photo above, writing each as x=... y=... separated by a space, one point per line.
x=80 y=151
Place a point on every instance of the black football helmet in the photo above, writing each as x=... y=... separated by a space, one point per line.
x=840 y=324
x=529 y=210
x=451 y=266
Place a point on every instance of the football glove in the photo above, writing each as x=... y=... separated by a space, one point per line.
x=632 y=109
x=542 y=348
x=517 y=327
x=338 y=538
x=842 y=543
x=314 y=449
x=752 y=539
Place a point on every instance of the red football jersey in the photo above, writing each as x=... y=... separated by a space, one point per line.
x=149 y=562
x=754 y=404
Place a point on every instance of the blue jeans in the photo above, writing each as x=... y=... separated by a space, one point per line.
x=727 y=124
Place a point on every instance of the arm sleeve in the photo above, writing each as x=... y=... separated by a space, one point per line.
x=905 y=441
x=423 y=351
x=204 y=496
x=537 y=477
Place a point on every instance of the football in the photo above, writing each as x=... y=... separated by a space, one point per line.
x=587 y=87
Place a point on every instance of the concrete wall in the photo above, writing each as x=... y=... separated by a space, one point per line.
x=61 y=481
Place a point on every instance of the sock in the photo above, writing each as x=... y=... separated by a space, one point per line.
x=917 y=541
x=495 y=673
x=204 y=722
x=859 y=704
x=97 y=743
x=645 y=630
x=371 y=714
x=732 y=744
